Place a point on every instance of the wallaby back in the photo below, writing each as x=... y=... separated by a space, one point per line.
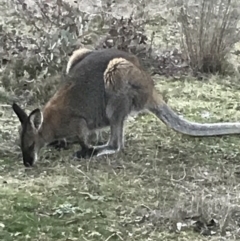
x=84 y=89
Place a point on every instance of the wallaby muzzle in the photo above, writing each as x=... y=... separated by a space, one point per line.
x=28 y=159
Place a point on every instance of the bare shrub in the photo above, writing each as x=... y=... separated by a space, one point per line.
x=209 y=31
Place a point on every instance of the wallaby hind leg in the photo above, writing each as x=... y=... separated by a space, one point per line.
x=115 y=143
x=83 y=134
x=117 y=110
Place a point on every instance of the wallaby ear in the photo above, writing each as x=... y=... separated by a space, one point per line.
x=36 y=119
x=21 y=114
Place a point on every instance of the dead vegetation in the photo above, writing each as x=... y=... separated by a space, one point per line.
x=165 y=186
x=210 y=29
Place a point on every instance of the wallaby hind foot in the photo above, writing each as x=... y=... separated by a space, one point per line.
x=84 y=153
x=114 y=145
x=97 y=151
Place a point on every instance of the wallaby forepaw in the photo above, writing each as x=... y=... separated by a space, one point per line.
x=59 y=144
x=85 y=153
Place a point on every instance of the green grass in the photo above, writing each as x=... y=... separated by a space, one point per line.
x=162 y=178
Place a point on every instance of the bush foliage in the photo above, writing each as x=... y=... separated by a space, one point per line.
x=37 y=42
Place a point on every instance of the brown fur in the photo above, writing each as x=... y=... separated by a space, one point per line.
x=53 y=110
x=123 y=70
x=122 y=74
x=116 y=72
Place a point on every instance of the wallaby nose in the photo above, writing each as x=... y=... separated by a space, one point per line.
x=28 y=162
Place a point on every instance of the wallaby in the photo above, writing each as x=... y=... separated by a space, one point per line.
x=101 y=88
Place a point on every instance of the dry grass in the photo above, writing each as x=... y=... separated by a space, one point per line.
x=209 y=29
x=163 y=179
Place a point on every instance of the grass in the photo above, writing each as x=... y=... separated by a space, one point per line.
x=162 y=180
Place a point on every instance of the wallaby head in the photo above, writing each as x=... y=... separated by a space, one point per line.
x=30 y=140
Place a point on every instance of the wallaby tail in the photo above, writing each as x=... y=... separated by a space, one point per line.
x=77 y=56
x=174 y=121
